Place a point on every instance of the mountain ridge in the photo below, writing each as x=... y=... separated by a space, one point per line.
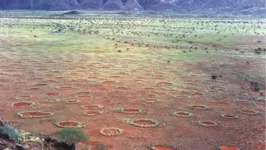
x=180 y=6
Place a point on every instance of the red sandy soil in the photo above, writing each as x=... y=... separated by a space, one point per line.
x=159 y=147
x=228 y=148
x=126 y=82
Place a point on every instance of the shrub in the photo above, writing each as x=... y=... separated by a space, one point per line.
x=71 y=135
x=9 y=131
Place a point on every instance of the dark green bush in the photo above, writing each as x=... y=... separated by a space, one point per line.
x=71 y=135
x=9 y=131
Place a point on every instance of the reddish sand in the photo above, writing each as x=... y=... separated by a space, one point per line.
x=138 y=86
x=229 y=148
x=109 y=82
x=159 y=147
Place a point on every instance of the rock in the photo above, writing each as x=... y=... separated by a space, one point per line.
x=48 y=140
x=1 y=123
x=20 y=147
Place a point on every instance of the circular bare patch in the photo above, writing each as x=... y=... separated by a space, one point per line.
x=86 y=96
x=92 y=107
x=65 y=87
x=151 y=100
x=52 y=94
x=129 y=110
x=23 y=97
x=199 y=107
x=111 y=131
x=197 y=95
x=69 y=124
x=74 y=101
x=92 y=113
x=41 y=84
x=226 y=116
x=248 y=111
x=34 y=114
x=182 y=114
x=52 y=100
x=145 y=123
x=22 y=104
x=207 y=123
x=165 y=83
x=34 y=88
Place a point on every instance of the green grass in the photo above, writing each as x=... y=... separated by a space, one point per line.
x=23 y=31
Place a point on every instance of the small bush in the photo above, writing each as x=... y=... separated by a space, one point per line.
x=71 y=135
x=9 y=131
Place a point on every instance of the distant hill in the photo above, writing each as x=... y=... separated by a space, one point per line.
x=219 y=6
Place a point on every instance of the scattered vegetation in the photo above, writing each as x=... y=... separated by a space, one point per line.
x=74 y=12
